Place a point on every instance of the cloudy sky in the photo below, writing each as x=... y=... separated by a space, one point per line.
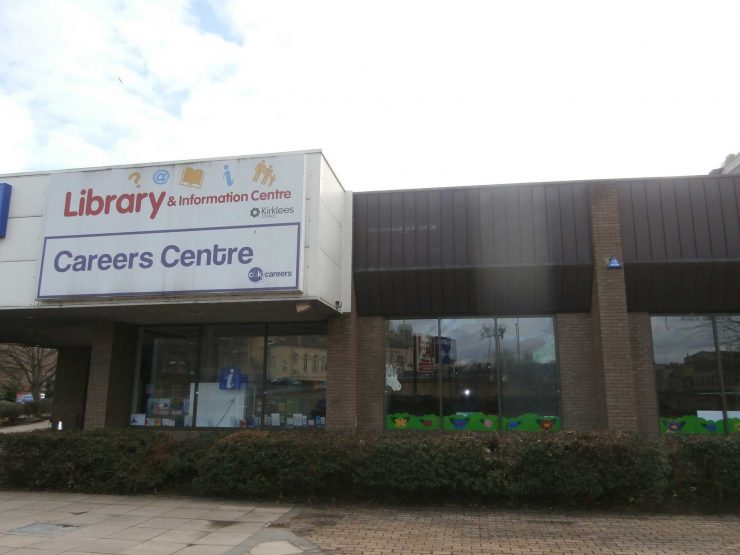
x=398 y=94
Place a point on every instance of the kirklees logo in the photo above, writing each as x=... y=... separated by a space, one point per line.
x=90 y=204
x=5 y=190
x=271 y=211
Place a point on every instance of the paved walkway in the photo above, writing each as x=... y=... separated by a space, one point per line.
x=462 y=531
x=41 y=425
x=51 y=523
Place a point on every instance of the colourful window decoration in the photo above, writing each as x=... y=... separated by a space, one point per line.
x=697 y=372
x=475 y=374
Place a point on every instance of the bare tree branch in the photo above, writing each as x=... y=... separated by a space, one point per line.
x=27 y=368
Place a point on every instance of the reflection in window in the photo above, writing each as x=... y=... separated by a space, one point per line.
x=229 y=390
x=220 y=376
x=728 y=328
x=472 y=374
x=470 y=379
x=530 y=380
x=692 y=390
x=295 y=392
x=411 y=374
x=165 y=393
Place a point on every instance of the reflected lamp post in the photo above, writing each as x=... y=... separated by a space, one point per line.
x=500 y=330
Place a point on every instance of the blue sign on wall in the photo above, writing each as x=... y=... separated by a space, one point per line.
x=5 y=190
x=231 y=378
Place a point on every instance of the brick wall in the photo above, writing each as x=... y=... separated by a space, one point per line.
x=644 y=373
x=370 y=374
x=121 y=380
x=341 y=373
x=611 y=322
x=70 y=385
x=111 y=376
x=581 y=380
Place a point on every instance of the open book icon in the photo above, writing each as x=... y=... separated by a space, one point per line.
x=192 y=177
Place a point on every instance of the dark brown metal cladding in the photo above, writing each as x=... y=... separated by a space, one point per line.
x=681 y=241
x=515 y=249
x=526 y=249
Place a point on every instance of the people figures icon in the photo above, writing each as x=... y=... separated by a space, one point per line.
x=265 y=172
x=258 y=170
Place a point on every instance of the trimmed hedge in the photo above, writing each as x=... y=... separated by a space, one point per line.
x=563 y=469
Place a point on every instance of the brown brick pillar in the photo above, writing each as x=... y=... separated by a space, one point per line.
x=111 y=378
x=341 y=373
x=609 y=309
x=70 y=384
x=642 y=360
x=370 y=374
x=581 y=379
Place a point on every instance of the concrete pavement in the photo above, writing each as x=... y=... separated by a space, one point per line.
x=52 y=523
x=33 y=426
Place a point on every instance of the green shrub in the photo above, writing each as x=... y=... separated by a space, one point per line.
x=424 y=467
x=6 y=393
x=9 y=411
x=37 y=408
x=704 y=470
x=582 y=469
x=95 y=462
x=265 y=464
x=563 y=469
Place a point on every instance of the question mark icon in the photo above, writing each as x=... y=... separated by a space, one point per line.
x=135 y=177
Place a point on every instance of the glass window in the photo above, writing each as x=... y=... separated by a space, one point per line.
x=728 y=331
x=221 y=376
x=470 y=391
x=530 y=382
x=411 y=381
x=230 y=387
x=687 y=381
x=295 y=392
x=166 y=385
x=472 y=374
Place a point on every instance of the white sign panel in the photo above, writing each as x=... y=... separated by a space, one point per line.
x=226 y=225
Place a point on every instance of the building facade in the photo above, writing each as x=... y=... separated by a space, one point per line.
x=263 y=295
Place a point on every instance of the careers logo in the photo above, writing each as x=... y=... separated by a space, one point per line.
x=255 y=274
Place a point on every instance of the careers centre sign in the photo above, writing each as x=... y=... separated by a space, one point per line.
x=200 y=227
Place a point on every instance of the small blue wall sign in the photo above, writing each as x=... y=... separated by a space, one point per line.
x=614 y=263
x=5 y=190
x=231 y=378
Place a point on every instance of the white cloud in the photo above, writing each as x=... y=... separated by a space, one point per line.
x=16 y=139
x=397 y=93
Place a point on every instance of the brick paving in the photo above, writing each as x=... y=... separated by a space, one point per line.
x=377 y=530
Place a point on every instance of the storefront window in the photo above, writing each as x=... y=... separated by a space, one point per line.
x=530 y=382
x=480 y=374
x=169 y=368
x=295 y=391
x=230 y=386
x=232 y=376
x=471 y=383
x=411 y=379
x=728 y=331
x=694 y=385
